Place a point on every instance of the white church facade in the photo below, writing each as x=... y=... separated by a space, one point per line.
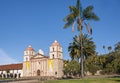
x=37 y=64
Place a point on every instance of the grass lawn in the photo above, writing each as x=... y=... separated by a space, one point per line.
x=86 y=80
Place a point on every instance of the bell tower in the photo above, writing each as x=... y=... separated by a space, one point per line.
x=28 y=53
x=56 y=60
x=55 y=50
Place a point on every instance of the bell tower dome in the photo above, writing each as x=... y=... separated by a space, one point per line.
x=55 y=50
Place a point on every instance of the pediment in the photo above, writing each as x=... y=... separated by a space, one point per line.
x=37 y=56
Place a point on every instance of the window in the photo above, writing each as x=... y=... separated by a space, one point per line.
x=59 y=48
x=53 y=56
x=60 y=55
x=55 y=73
x=26 y=52
x=32 y=53
x=53 y=49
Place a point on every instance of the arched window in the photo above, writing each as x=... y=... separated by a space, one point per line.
x=55 y=73
x=38 y=72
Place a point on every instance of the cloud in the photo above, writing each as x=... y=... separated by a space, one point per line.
x=5 y=58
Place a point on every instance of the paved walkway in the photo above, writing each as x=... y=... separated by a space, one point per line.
x=103 y=76
x=19 y=81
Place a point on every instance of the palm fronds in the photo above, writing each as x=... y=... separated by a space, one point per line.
x=88 y=14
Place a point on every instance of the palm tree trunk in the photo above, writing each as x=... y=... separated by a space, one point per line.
x=82 y=56
x=81 y=50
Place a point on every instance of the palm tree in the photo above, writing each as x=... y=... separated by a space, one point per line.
x=79 y=15
x=88 y=47
x=104 y=48
x=109 y=48
x=74 y=49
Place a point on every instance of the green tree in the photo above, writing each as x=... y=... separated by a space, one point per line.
x=71 y=68
x=66 y=68
x=116 y=65
x=92 y=64
x=117 y=46
x=88 y=47
x=102 y=61
x=110 y=63
x=79 y=15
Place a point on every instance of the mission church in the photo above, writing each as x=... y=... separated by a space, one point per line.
x=36 y=64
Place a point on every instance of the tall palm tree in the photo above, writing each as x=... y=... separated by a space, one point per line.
x=79 y=15
x=88 y=47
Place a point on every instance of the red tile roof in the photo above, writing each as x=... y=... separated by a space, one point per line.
x=11 y=67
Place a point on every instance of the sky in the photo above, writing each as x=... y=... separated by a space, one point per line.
x=40 y=22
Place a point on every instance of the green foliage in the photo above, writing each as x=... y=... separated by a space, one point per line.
x=92 y=64
x=112 y=63
x=71 y=68
x=117 y=46
x=88 y=47
x=108 y=63
x=88 y=14
x=79 y=15
x=116 y=65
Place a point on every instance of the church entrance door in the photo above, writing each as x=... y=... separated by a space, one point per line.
x=38 y=72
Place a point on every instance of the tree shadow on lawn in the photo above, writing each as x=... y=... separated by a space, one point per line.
x=117 y=78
